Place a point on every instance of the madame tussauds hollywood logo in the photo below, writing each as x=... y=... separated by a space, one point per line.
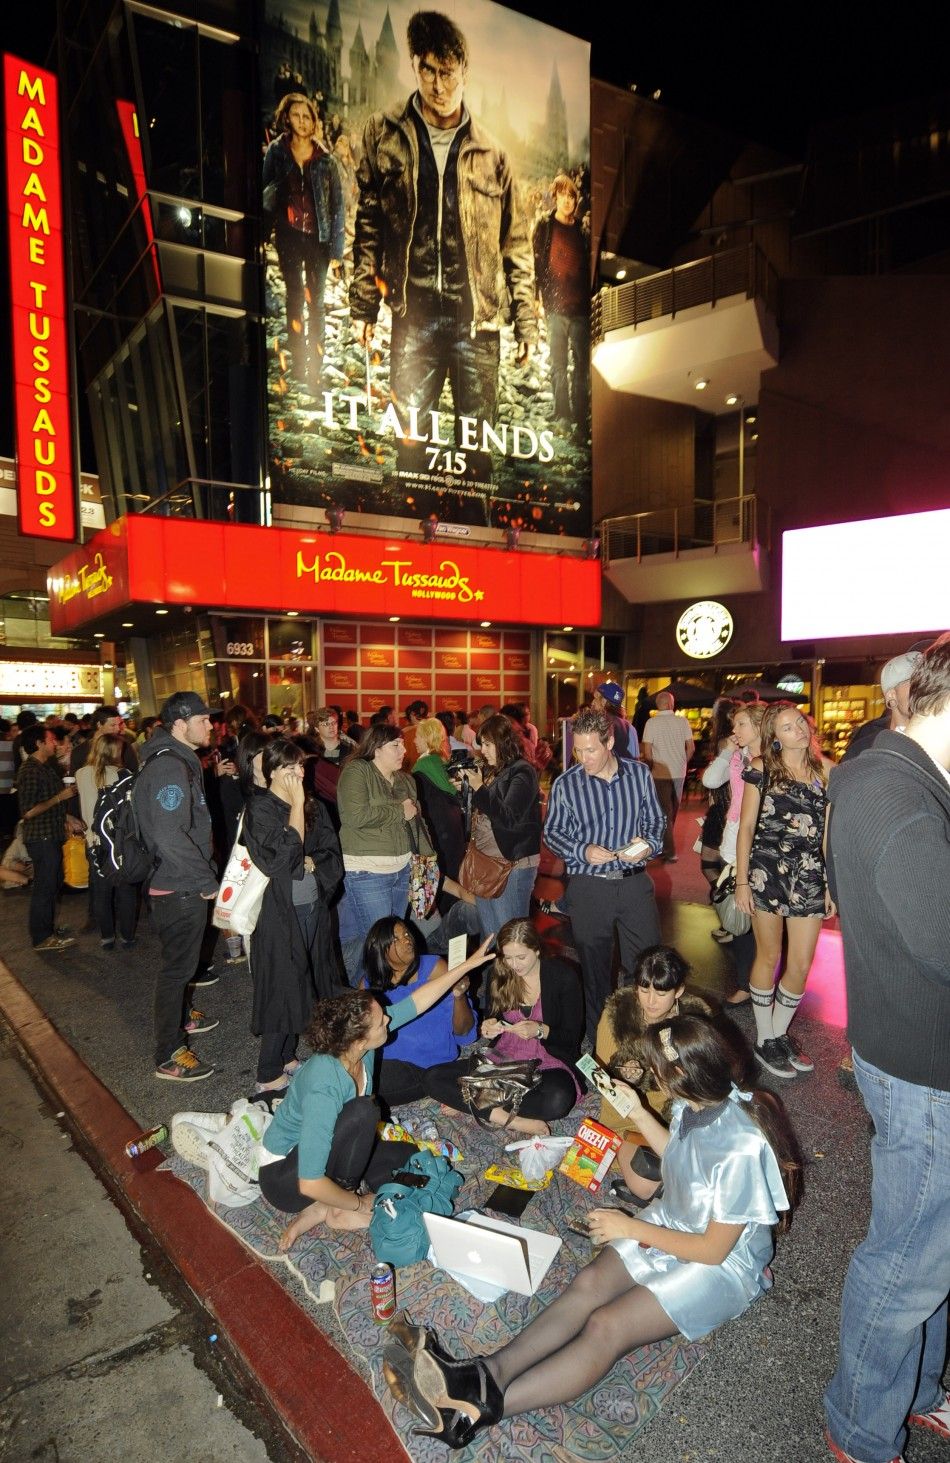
x=449 y=583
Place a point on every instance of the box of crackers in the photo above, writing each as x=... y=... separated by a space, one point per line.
x=589 y=1157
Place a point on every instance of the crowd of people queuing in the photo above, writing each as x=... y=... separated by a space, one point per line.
x=334 y=819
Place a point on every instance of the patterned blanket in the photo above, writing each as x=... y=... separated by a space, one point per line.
x=598 y=1426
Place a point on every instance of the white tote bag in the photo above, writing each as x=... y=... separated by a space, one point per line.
x=238 y=905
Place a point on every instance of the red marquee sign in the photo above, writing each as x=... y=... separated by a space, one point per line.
x=44 y=425
x=162 y=561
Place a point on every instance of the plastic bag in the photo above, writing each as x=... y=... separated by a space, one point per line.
x=538 y=1156
x=75 y=862
x=228 y=1146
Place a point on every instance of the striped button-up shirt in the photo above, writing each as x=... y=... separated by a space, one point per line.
x=585 y=809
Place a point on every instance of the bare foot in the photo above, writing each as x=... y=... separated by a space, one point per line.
x=534 y=1127
x=308 y=1218
x=350 y=1218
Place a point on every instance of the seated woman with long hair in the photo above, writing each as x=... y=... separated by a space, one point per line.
x=695 y=1258
x=322 y=1145
x=396 y=966
x=536 y=1010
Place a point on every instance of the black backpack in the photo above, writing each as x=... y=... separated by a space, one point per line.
x=119 y=853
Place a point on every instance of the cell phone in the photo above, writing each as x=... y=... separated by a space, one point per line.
x=636 y=848
x=492 y=941
x=508 y=1201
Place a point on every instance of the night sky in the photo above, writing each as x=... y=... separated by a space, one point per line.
x=766 y=71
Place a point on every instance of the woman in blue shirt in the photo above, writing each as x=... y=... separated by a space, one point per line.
x=322 y=1146
x=395 y=968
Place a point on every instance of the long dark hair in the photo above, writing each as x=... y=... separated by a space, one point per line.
x=379 y=972
x=281 y=752
x=507 y=743
x=250 y=744
x=693 y=1060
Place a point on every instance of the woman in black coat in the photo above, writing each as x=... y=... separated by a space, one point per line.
x=506 y=802
x=291 y=839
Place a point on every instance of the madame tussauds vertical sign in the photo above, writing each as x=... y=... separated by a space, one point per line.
x=44 y=445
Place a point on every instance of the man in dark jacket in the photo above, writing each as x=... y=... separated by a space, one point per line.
x=889 y=865
x=175 y=825
x=43 y=799
x=441 y=234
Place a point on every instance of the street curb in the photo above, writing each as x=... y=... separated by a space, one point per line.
x=317 y=1397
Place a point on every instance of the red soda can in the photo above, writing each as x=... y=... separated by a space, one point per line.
x=147 y=1140
x=382 y=1290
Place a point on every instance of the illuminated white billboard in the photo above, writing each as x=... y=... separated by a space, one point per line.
x=879 y=576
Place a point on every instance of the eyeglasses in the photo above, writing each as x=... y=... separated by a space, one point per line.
x=448 y=75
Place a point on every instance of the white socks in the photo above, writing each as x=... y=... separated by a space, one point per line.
x=786 y=1004
x=762 y=1011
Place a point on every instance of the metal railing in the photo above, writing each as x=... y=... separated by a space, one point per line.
x=701 y=525
x=743 y=271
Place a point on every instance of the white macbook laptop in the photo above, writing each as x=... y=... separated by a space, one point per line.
x=492 y=1251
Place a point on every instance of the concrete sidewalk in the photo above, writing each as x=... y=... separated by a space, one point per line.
x=100 y=1358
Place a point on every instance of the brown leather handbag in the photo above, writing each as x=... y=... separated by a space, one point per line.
x=480 y=874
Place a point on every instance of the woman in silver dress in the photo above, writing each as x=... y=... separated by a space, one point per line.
x=694 y=1258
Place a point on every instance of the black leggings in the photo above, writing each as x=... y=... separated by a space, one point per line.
x=355 y=1154
x=553 y=1097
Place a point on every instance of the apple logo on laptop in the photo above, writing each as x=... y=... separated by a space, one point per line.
x=473 y=1257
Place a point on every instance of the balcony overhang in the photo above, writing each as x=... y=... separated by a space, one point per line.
x=704 y=573
x=729 y=344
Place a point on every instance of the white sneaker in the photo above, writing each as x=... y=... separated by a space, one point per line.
x=190 y=1132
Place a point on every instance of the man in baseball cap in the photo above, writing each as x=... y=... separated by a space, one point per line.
x=608 y=698
x=175 y=826
x=895 y=684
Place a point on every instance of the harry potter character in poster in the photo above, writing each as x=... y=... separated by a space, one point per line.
x=442 y=385
x=441 y=235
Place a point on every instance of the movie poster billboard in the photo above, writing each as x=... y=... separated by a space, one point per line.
x=426 y=202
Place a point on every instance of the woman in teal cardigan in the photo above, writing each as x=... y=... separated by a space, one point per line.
x=380 y=829
x=321 y=1159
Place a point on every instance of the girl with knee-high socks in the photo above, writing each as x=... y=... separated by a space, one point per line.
x=536 y=1010
x=322 y=1145
x=780 y=877
x=695 y=1258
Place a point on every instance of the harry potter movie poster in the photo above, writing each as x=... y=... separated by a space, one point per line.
x=426 y=202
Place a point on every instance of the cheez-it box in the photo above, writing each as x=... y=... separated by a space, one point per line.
x=590 y=1155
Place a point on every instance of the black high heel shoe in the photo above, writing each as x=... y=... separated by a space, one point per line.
x=416 y=1338
x=454 y=1400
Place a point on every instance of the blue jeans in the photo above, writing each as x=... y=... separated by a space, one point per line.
x=367 y=898
x=894 y=1307
x=513 y=902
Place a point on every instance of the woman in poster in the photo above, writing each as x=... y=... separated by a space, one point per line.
x=303 y=203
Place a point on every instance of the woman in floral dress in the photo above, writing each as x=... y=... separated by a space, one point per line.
x=780 y=877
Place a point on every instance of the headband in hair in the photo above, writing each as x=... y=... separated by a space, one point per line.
x=669 y=1050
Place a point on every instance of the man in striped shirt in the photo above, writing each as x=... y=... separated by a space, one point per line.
x=598 y=808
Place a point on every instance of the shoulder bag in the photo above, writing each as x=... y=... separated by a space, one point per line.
x=423 y=877
x=237 y=907
x=491 y=1084
x=479 y=873
x=733 y=920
